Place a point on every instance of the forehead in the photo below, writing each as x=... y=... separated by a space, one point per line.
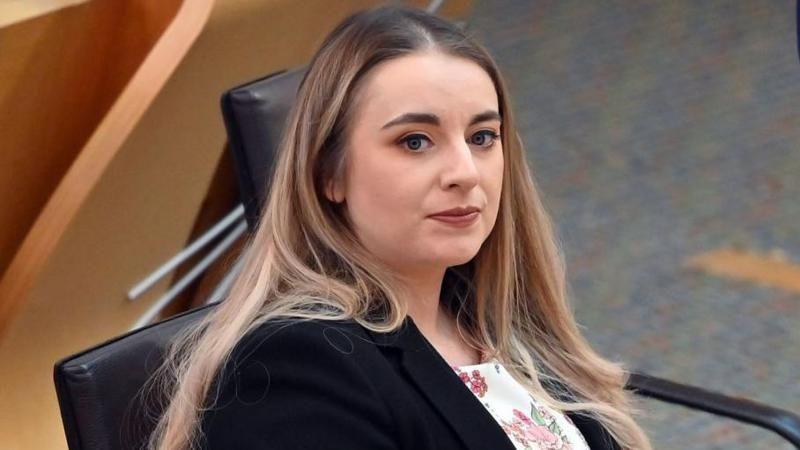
x=426 y=82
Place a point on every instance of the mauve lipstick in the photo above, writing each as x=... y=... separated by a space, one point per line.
x=458 y=217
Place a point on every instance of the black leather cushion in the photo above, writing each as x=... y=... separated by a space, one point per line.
x=255 y=116
x=98 y=389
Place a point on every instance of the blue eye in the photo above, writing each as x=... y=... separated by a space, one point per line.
x=485 y=135
x=414 y=142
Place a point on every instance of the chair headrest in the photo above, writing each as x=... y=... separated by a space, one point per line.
x=255 y=115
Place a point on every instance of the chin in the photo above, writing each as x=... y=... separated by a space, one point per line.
x=455 y=258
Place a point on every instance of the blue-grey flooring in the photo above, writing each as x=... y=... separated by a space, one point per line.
x=657 y=131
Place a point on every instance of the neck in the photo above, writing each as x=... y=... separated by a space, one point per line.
x=438 y=327
x=423 y=302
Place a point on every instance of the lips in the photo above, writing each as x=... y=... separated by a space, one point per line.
x=458 y=217
x=461 y=217
x=457 y=212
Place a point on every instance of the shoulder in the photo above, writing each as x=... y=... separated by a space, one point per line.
x=289 y=377
x=296 y=340
x=290 y=348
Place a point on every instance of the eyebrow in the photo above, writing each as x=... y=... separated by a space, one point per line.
x=433 y=119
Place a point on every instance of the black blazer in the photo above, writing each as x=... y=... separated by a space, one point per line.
x=316 y=385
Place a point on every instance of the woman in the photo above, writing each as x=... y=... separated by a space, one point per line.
x=404 y=288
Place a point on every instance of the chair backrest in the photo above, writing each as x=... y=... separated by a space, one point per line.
x=255 y=115
x=98 y=389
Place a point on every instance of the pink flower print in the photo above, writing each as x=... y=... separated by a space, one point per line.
x=476 y=383
x=527 y=432
x=545 y=414
x=521 y=417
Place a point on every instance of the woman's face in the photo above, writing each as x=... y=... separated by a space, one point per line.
x=421 y=142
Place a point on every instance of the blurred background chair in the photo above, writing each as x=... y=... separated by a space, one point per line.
x=98 y=389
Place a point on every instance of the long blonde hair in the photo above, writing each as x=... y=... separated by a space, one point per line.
x=511 y=297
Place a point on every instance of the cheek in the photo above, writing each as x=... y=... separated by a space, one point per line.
x=383 y=200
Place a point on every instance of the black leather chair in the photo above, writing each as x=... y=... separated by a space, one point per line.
x=98 y=389
x=254 y=115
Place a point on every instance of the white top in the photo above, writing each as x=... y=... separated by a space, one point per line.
x=530 y=425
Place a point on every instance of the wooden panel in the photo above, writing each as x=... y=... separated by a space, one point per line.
x=59 y=75
x=14 y=11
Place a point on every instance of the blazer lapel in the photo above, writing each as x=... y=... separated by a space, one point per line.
x=595 y=435
x=446 y=392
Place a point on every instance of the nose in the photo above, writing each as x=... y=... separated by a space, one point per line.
x=459 y=168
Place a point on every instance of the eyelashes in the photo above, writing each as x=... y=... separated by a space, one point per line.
x=415 y=142
x=487 y=134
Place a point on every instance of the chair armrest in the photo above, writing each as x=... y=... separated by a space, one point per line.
x=784 y=423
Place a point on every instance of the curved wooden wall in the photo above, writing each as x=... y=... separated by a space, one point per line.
x=135 y=193
x=15 y=11
x=59 y=75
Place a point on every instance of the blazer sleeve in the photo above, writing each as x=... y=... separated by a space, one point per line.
x=296 y=386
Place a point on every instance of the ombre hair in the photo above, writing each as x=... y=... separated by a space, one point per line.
x=303 y=260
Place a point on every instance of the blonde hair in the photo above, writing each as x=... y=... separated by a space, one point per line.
x=304 y=262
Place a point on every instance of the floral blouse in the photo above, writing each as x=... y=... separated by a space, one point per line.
x=529 y=424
